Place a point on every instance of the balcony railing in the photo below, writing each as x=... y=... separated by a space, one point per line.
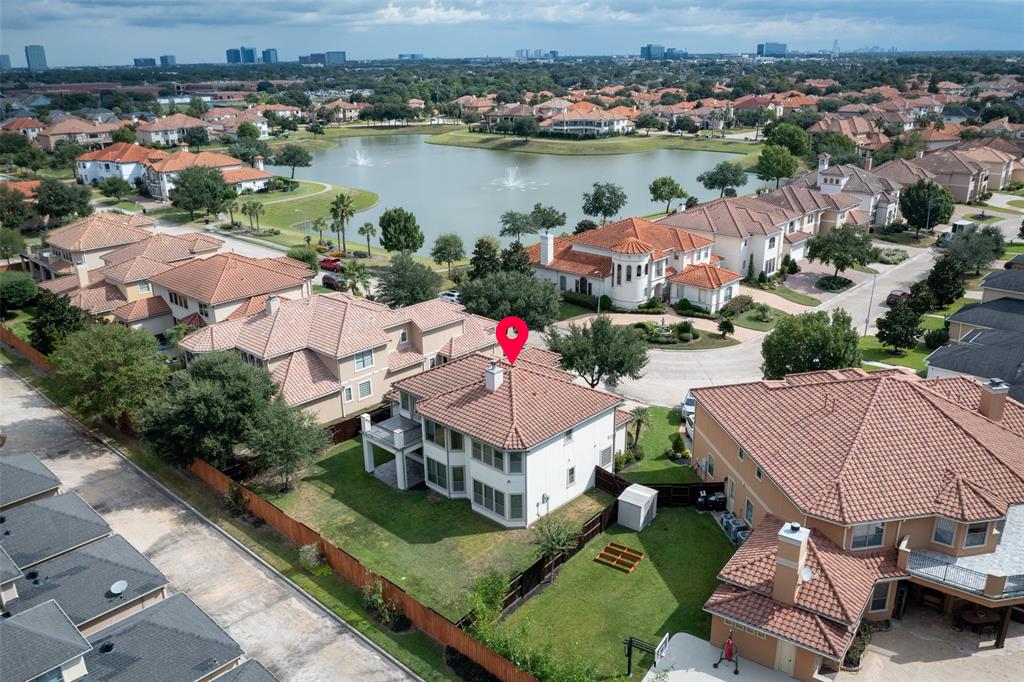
x=927 y=565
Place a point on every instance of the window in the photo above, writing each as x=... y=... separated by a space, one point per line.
x=458 y=479
x=499 y=460
x=364 y=360
x=639 y=270
x=435 y=432
x=757 y=473
x=144 y=287
x=945 y=531
x=743 y=454
x=568 y=436
x=515 y=462
x=880 y=597
x=405 y=401
x=977 y=534
x=456 y=440
x=771 y=242
x=618 y=274
x=364 y=390
x=403 y=336
x=437 y=473
x=487 y=497
x=515 y=506
x=711 y=466
x=561 y=282
x=744 y=628
x=629 y=274
x=728 y=293
x=177 y=299
x=348 y=394
x=748 y=513
x=868 y=535
x=570 y=477
x=204 y=310
x=606 y=456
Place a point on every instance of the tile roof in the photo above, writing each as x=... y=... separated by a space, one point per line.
x=101 y=230
x=477 y=336
x=172 y=122
x=165 y=248
x=430 y=314
x=859 y=181
x=950 y=161
x=622 y=417
x=63 y=285
x=73 y=125
x=42 y=529
x=903 y=172
x=256 y=304
x=567 y=259
x=303 y=376
x=650 y=235
x=539 y=356
x=835 y=443
x=182 y=159
x=705 y=276
x=134 y=270
x=22 y=124
x=26 y=188
x=24 y=476
x=805 y=199
x=797 y=237
x=532 y=405
x=37 y=641
x=227 y=277
x=244 y=174
x=123 y=152
x=732 y=217
x=404 y=356
x=142 y=309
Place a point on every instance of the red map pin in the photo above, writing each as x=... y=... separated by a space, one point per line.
x=511 y=345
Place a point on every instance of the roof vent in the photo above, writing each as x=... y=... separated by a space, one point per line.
x=806 y=574
x=3 y=519
x=32 y=575
x=794 y=527
x=119 y=587
x=106 y=647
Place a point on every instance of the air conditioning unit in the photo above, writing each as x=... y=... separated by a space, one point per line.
x=725 y=518
x=735 y=525
x=741 y=537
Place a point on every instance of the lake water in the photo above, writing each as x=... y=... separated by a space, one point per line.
x=464 y=190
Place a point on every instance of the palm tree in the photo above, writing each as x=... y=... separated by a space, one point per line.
x=368 y=230
x=246 y=210
x=320 y=224
x=342 y=209
x=356 y=277
x=641 y=417
x=256 y=209
x=231 y=205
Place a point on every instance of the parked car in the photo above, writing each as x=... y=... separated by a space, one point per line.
x=334 y=283
x=896 y=295
x=688 y=406
x=331 y=263
x=689 y=426
x=944 y=239
x=450 y=295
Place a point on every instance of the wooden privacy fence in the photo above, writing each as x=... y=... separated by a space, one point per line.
x=669 y=494
x=430 y=622
x=31 y=354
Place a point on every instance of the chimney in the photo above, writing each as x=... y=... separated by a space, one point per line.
x=183 y=146
x=920 y=153
x=83 y=275
x=993 y=398
x=547 y=248
x=493 y=375
x=273 y=303
x=257 y=162
x=868 y=162
x=822 y=167
x=790 y=558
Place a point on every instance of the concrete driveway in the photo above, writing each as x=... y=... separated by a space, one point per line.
x=272 y=621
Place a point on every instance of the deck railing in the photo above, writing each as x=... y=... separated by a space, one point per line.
x=926 y=565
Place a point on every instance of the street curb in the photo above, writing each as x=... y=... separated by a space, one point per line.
x=170 y=494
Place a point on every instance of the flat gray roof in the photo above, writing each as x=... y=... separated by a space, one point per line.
x=23 y=476
x=40 y=530
x=34 y=642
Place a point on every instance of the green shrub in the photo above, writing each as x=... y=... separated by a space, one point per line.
x=793 y=267
x=834 y=283
x=553 y=534
x=695 y=333
x=686 y=337
x=763 y=312
x=652 y=305
x=620 y=461
x=374 y=602
x=312 y=559
x=235 y=499
x=934 y=338
x=687 y=309
x=17 y=289
x=891 y=256
x=677 y=442
x=737 y=305
x=638 y=453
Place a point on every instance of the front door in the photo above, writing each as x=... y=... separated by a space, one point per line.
x=785 y=656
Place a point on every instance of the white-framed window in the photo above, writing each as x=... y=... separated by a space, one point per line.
x=177 y=299
x=728 y=293
x=743 y=454
x=204 y=310
x=435 y=432
x=944 y=532
x=365 y=389
x=515 y=462
x=879 y=598
x=570 y=477
x=606 y=456
x=403 y=336
x=488 y=498
x=499 y=460
x=456 y=441
x=348 y=394
x=144 y=287
x=977 y=534
x=404 y=400
x=364 y=360
x=515 y=507
x=744 y=628
x=458 y=479
x=758 y=473
x=437 y=473
x=568 y=437
x=868 y=535
x=771 y=242
x=748 y=513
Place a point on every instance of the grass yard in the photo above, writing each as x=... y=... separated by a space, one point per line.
x=362 y=130
x=567 y=310
x=907 y=239
x=782 y=291
x=17 y=321
x=1012 y=250
x=431 y=546
x=1019 y=203
x=591 y=608
x=124 y=204
x=954 y=306
x=865 y=269
x=748 y=319
x=872 y=351
x=707 y=341
x=655 y=467
x=1000 y=209
x=931 y=321
x=983 y=217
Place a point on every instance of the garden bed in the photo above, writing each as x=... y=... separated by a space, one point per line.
x=834 y=283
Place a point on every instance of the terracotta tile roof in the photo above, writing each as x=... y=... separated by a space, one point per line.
x=101 y=230
x=705 y=276
x=477 y=335
x=123 y=152
x=430 y=314
x=256 y=304
x=632 y=245
x=165 y=248
x=73 y=125
x=836 y=446
x=142 y=309
x=656 y=236
x=134 y=270
x=62 y=285
x=233 y=176
x=903 y=171
x=950 y=161
x=805 y=199
x=858 y=217
x=566 y=259
x=183 y=159
x=193 y=320
x=732 y=217
x=302 y=377
x=172 y=122
x=622 y=417
x=97 y=298
x=530 y=407
x=290 y=266
x=404 y=356
x=227 y=277
x=797 y=237
x=22 y=124
x=26 y=188
x=540 y=356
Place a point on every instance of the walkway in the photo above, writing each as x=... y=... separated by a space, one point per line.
x=275 y=623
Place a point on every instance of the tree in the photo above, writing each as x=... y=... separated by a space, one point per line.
x=32 y=158
x=58 y=201
x=247 y=149
x=843 y=247
x=486 y=257
x=307 y=255
x=600 y=351
x=65 y=153
x=774 y=163
x=256 y=209
x=206 y=410
x=515 y=259
x=553 y=535
x=17 y=288
x=292 y=155
x=792 y=137
x=248 y=131
x=726 y=327
x=368 y=230
x=666 y=189
x=546 y=218
x=399 y=231
x=946 y=280
x=502 y=294
x=810 y=342
x=109 y=369
x=447 y=248
x=515 y=224
x=55 y=319
x=725 y=175
x=924 y=204
x=123 y=134
x=11 y=242
x=356 y=277
x=585 y=225
x=115 y=187
x=975 y=249
x=525 y=127
x=315 y=128
x=343 y=209
x=405 y=282
x=648 y=122
x=605 y=201
x=641 y=418
x=284 y=439
x=196 y=107
x=197 y=136
x=319 y=224
x=899 y=327
x=921 y=298
x=15 y=210
x=198 y=188
x=840 y=148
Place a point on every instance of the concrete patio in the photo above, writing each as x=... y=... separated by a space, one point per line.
x=690 y=659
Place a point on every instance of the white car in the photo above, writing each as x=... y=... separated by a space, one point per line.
x=688 y=406
x=451 y=295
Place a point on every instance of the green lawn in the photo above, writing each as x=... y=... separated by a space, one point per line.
x=362 y=130
x=707 y=341
x=1012 y=250
x=655 y=467
x=979 y=218
x=1000 y=209
x=124 y=204
x=906 y=239
x=865 y=269
x=873 y=351
x=591 y=608
x=432 y=546
x=748 y=319
x=955 y=306
x=567 y=310
x=785 y=292
x=17 y=321
x=932 y=321
x=1019 y=203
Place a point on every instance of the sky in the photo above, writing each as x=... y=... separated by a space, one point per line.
x=110 y=32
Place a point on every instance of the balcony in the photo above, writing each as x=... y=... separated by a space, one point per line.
x=395 y=434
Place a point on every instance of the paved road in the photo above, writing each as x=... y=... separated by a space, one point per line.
x=272 y=621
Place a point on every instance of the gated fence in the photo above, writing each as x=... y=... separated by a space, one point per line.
x=669 y=494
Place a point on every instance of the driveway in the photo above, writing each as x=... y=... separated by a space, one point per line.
x=272 y=621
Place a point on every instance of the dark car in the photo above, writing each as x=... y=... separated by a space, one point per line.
x=334 y=283
x=896 y=295
x=330 y=263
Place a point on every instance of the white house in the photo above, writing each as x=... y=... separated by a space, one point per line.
x=29 y=127
x=595 y=123
x=517 y=441
x=879 y=196
x=120 y=160
x=160 y=174
x=169 y=130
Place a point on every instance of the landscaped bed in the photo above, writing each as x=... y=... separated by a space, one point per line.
x=591 y=608
x=431 y=546
x=655 y=438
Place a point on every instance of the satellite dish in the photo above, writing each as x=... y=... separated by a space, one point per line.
x=806 y=574
x=119 y=587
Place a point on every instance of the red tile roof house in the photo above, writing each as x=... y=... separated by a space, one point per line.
x=169 y=130
x=29 y=127
x=634 y=260
x=517 y=441
x=73 y=129
x=904 y=490
x=593 y=123
x=120 y=160
x=84 y=243
x=337 y=355
x=160 y=174
x=879 y=196
x=342 y=110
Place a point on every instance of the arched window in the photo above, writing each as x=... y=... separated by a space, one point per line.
x=629 y=274
x=639 y=270
x=618 y=274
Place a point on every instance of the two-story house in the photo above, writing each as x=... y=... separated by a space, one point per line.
x=879 y=196
x=80 y=131
x=160 y=174
x=169 y=130
x=868 y=493
x=958 y=171
x=337 y=355
x=593 y=123
x=516 y=441
x=820 y=213
x=1001 y=306
x=120 y=160
x=28 y=127
x=83 y=243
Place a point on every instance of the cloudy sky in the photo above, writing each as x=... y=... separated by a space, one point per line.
x=115 y=31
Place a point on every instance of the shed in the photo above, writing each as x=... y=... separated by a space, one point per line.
x=638 y=505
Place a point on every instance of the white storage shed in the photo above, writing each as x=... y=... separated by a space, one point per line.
x=638 y=505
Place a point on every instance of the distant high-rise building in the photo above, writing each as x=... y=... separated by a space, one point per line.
x=553 y=54
x=5 y=62
x=234 y=56
x=270 y=56
x=650 y=51
x=168 y=60
x=771 y=49
x=248 y=54
x=144 y=61
x=334 y=58
x=409 y=56
x=35 y=57
x=835 y=49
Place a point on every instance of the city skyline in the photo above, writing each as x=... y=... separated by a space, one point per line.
x=464 y=28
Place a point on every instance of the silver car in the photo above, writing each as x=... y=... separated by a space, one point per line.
x=688 y=406
x=450 y=295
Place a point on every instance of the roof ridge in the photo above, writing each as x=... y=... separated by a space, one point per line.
x=813 y=548
x=820 y=624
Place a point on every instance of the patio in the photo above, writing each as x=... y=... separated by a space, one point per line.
x=688 y=658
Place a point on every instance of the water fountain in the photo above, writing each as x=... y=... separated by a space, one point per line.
x=360 y=159
x=512 y=181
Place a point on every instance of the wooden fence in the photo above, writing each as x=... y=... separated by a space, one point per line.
x=669 y=494
x=426 y=619
x=35 y=357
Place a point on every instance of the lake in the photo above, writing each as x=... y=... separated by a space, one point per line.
x=463 y=190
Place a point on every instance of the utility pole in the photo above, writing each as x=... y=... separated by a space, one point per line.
x=871 y=300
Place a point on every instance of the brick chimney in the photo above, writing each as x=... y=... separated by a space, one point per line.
x=494 y=375
x=547 y=248
x=993 y=398
x=790 y=558
x=273 y=303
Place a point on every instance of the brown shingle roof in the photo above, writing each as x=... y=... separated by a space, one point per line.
x=101 y=230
